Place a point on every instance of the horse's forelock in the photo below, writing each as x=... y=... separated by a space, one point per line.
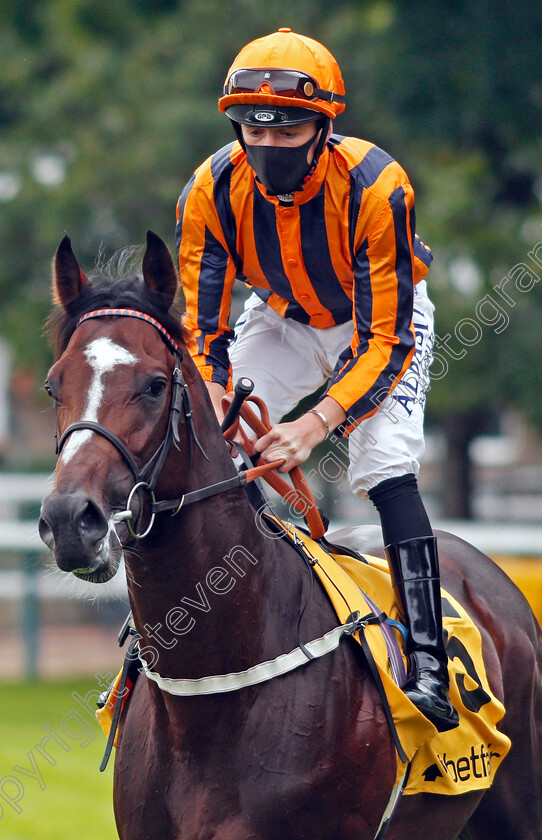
x=108 y=288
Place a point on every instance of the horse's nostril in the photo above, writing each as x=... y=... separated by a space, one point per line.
x=46 y=533
x=92 y=523
x=72 y=525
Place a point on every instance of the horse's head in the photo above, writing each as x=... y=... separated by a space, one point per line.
x=118 y=392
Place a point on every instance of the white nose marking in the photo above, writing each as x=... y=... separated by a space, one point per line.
x=102 y=355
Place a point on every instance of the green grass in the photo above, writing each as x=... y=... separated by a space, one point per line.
x=77 y=800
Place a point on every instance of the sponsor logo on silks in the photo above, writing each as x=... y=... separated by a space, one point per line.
x=476 y=765
x=264 y=116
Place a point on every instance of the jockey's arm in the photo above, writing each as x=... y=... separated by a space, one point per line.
x=216 y=392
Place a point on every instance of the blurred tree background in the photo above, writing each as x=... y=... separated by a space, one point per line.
x=107 y=107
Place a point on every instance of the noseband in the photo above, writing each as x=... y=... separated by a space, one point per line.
x=147 y=475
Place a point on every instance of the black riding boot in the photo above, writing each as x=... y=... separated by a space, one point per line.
x=415 y=575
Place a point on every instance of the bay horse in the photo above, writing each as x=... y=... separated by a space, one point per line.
x=305 y=755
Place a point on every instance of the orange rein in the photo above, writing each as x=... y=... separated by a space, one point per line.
x=300 y=497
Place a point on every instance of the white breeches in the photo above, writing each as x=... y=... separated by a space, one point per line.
x=289 y=361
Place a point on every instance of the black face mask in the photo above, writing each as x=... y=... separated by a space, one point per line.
x=281 y=169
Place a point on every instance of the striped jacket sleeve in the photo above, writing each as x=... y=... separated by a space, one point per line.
x=388 y=260
x=207 y=272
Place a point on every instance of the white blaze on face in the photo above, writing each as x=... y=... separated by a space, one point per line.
x=103 y=356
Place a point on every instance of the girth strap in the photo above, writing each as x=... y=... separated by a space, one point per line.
x=130 y=663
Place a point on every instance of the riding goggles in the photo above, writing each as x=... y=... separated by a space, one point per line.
x=290 y=83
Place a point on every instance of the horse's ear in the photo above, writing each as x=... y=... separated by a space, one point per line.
x=158 y=268
x=68 y=279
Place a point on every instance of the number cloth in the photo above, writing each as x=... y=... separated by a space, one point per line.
x=460 y=760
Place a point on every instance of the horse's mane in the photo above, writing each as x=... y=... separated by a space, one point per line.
x=108 y=287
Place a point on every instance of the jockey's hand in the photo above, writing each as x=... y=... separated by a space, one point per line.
x=295 y=441
x=292 y=441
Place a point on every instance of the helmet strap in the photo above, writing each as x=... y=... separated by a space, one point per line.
x=325 y=122
x=239 y=132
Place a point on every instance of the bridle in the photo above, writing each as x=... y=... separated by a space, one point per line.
x=147 y=476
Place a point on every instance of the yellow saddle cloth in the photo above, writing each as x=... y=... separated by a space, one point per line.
x=462 y=759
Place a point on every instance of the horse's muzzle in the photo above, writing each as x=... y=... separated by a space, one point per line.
x=73 y=527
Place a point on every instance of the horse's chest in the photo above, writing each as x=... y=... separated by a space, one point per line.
x=284 y=771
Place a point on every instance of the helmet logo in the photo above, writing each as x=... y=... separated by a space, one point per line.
x=264 y=116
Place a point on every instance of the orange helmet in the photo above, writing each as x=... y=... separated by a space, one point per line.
x=287 y=70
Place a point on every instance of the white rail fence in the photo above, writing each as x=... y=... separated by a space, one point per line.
x=34 y=580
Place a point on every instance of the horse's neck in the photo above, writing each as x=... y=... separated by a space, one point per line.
x=211 y=592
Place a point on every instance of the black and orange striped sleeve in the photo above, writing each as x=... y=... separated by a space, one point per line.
x=385 y=269
x=207 y=267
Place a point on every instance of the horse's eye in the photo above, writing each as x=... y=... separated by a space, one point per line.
x=156 y=388
x=47 y=388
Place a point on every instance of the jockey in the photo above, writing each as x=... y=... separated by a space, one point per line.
x=321 y=229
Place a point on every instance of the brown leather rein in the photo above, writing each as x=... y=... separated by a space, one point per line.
x=300 y=497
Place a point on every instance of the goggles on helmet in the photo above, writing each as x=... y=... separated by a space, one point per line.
x=290 y=83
